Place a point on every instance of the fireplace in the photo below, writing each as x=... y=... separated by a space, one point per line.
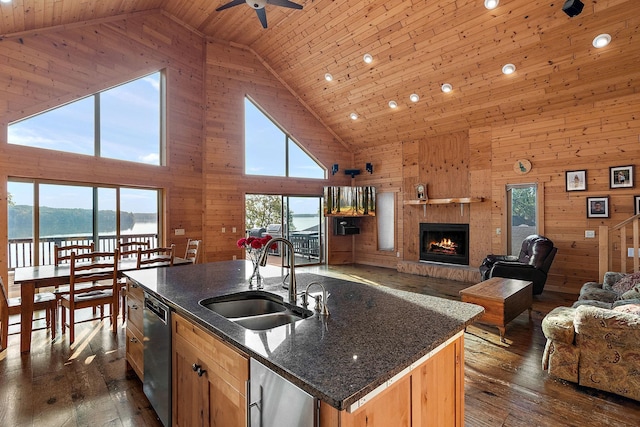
x=446 y=243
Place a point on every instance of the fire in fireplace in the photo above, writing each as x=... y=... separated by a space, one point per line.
x=447 y=243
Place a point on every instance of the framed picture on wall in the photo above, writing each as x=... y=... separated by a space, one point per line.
x=421 y=191
x=597 y=207
x=576 y=180
x=636 y=205
x=621 y=177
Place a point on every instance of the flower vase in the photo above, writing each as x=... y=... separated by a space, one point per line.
x=255 y=279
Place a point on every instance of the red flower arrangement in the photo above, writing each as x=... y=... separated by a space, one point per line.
x=254 y=247
x=257 y=243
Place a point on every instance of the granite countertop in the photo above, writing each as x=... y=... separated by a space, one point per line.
x=372 y=333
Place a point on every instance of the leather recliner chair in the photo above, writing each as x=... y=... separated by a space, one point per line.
x=532 y=264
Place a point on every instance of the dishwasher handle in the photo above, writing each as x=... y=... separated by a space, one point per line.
x=157 y=308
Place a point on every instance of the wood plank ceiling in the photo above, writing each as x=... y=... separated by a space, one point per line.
x=416 y=46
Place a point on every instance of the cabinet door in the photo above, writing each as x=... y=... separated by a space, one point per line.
x=190 y=396
x=438 y=388
x=205 y=393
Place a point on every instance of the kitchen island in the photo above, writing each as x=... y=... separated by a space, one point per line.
x=375 y=343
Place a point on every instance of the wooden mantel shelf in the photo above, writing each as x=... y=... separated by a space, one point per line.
x=461 y=200
x=444 y=201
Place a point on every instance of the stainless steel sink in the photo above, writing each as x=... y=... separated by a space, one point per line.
x=256 y=310
x=268 y=321
x=244 y=304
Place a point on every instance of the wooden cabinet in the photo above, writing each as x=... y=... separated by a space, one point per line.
x=209 y=378
x=135 y=328
x=431 y=394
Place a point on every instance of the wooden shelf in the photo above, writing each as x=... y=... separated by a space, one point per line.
x=444 y=201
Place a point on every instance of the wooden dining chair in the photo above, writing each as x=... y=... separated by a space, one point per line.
x=101 y=269
x=160 y=256
x=128 y=250
x=62 y=255
x=192 y=252
x=12 y=306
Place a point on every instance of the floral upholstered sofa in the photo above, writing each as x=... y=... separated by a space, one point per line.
x=595 y=342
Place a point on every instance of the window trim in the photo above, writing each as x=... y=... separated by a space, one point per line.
x=97 y=137
x=287 y=139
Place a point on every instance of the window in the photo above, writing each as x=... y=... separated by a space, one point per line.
x=522 y=202
x=270 y=151
x=65 y=213
x=128 y=117
x=385 y=213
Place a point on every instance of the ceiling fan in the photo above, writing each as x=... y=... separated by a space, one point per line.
x=259 y=5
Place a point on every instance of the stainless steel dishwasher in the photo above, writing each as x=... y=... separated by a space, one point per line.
x=275 y=402
x=157 y=357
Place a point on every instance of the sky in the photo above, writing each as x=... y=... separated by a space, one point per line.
x=130 y=130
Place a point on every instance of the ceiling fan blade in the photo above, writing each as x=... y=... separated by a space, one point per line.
x=230 y=4
x=262 y=15
x=285 y=3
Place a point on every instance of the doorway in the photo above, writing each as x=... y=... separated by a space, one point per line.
x=296 y=218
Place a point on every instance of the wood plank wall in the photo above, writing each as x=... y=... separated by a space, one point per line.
x=386 y=177
x=48 y=68
x=204 y=177
x=594 y=136
x=232 y=73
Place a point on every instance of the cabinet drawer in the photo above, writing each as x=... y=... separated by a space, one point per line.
x=135 y=352
x=135 y=308
x=212 y=350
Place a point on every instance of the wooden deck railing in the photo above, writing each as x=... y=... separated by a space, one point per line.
x=623 y=238
x=21 y=251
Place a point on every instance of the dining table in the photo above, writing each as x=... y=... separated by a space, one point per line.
x=31 y=278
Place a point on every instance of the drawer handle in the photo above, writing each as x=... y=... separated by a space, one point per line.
x=198 y=369
x=134 y=340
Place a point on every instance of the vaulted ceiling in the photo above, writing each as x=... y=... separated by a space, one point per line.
x=416 y=46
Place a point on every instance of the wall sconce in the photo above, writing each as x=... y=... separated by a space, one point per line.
x=334 y=169
x=369 y=167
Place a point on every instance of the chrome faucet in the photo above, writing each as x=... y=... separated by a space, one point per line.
x=324 y=310
x=292 y=262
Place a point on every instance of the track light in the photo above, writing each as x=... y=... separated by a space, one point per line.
x=572 y=7
x=369 y=167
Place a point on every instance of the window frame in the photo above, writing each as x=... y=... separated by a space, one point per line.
x=36 y=183
x=97 y=137
x=288 y=139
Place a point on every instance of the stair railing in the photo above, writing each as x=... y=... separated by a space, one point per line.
x=606 y=245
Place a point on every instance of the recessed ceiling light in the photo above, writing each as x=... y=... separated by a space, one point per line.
x=367 y=58
x=414 y=97
x=353 y=116
x=446 y=88
x=393 y=104
x=328 y=77
x=491 y=4
x=601 y=40
x=508 y=69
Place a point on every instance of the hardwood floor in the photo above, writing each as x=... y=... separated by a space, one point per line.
x=88 y=384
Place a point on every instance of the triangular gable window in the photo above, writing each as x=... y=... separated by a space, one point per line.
x=271 y=151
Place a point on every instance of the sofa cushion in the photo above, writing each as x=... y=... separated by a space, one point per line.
x=610 y=278
x=633 y=293
x=592 y=303
x=626 y=283
x=628 y=308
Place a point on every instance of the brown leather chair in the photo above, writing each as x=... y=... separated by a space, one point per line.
x=532 y=264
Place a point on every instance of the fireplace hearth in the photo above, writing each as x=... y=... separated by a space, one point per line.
x=445 y=243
